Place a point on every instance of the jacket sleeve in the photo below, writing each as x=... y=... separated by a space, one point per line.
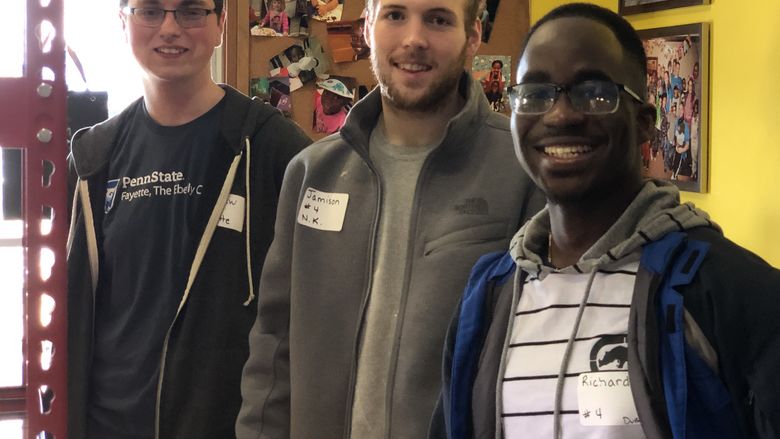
x=738 y=311
x=265 y=382
x=276 y=143
x=764 y=341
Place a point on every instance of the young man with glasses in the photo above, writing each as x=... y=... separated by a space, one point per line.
x=173 y=214
x=617 y=311
x=377 y=227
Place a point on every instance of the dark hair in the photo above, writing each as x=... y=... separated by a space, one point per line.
x=622 y=29
x=470 y=9
x=500 y=63
x=217 y=5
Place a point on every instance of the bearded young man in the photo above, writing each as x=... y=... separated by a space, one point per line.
x=376 y=230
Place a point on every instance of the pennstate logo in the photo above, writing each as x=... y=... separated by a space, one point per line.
x=111 y=187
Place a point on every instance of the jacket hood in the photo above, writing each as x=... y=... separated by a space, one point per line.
x=364 y=115
x=91 y=146
x=655 y=211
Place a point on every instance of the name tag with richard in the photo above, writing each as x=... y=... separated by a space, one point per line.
x=323 y=210
x=604 y=398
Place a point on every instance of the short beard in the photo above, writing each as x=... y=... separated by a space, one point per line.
x=431 y=101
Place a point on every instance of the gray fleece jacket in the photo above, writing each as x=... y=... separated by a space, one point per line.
x=471 y=196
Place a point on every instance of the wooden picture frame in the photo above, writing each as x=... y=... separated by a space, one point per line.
x=678 y=85
x=628 y=7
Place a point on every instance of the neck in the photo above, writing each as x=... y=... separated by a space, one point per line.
x=412 y=128
x=172 y=103
x=576 y=226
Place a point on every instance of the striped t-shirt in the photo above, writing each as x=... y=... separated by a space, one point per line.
x=544 y=319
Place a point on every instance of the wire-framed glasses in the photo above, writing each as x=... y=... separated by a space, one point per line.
x=154 y=17
x=588 y=97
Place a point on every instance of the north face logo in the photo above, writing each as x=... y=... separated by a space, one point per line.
x=473 y=206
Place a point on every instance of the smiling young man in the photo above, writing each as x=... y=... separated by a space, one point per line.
x=617 y=311
x=173 y=213
x=377 y=227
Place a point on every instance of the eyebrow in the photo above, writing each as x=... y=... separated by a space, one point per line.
x=582 y=75
x=188 y=3
x=437 y=10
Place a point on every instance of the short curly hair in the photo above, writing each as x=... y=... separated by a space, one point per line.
x=622 y=29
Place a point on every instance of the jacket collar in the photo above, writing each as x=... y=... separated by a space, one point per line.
x=365 y=114
x=91 y=147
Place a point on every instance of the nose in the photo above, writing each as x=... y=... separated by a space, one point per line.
x=415 y=34
x=169 y=24
x=562 y=113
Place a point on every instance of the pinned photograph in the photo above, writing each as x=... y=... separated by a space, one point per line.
x=333 y=98
x=487 y=15
x=346 y=41
x=492 y=72
x=677 y=67
x=276 y=18
x=273 y=91
x=326 y=10
x=302 y=62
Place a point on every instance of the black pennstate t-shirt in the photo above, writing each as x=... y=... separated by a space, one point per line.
x=162 y=185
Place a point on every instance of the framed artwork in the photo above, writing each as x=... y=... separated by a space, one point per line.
x=677 y=84
x=627 y=7
x=492 y=72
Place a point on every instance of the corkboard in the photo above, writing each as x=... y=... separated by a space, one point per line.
x=509 y=29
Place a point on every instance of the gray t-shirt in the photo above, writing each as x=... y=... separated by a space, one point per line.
x=399 y=167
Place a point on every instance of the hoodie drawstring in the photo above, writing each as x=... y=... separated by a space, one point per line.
x=567 y=356
x=247 y=210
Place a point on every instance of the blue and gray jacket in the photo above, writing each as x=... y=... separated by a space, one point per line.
x=703 y=336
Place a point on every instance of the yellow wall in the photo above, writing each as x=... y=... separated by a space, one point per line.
x=744 y=134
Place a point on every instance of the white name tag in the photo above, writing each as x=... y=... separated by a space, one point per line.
x=233 y=214
x=323 y=210
x=605 y=399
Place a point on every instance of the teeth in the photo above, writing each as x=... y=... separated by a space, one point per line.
x=170 y=50
x=568 y=151
x=414 y=67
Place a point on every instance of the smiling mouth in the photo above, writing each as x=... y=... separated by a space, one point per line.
x=413 y=68
x=566 y=151
x=170 y=50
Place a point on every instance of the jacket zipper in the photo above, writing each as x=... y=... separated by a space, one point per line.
x=359 y=331
x=518 y=279
x=92 y=252
x=199 y=254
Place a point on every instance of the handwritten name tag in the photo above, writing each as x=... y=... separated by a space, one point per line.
x=605 y=399
x=232 y=216
x=323 y=210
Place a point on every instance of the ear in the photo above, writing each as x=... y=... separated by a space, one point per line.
x=645 y=122
x=123 y=19
x=368 y=27
x=222 y=19
x=473 y=37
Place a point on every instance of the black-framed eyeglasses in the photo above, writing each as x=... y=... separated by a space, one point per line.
x=154 y=17
x=587 y=97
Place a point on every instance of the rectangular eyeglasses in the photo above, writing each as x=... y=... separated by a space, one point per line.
x=154 y=17
x=587 y=97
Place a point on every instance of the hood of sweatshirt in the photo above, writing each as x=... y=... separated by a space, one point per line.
x=655 y=211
